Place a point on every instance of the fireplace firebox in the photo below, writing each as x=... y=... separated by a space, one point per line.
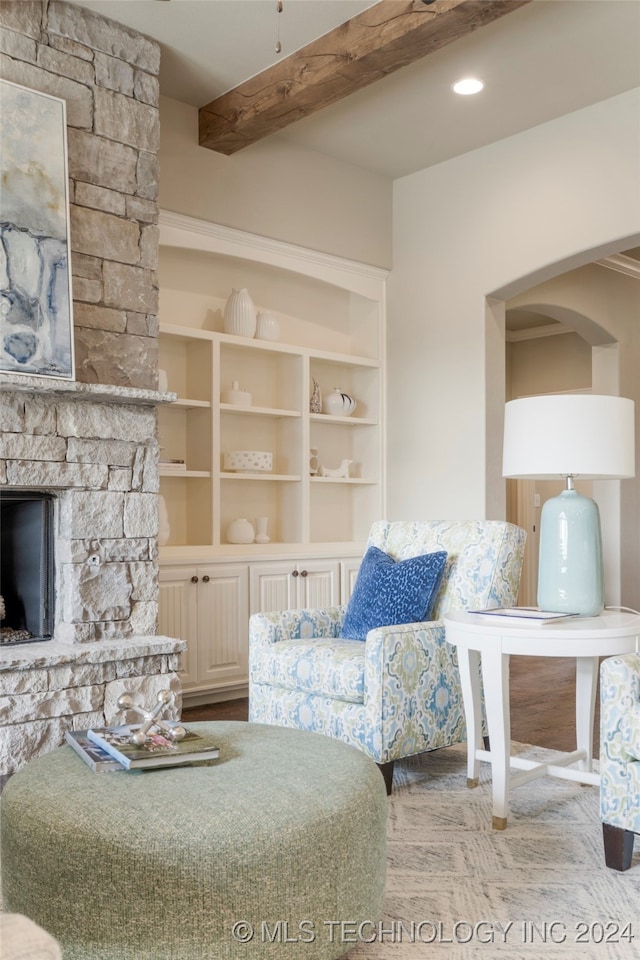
x=26 y=566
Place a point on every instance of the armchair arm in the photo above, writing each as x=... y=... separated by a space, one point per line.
x=267 y=628
x=620 y=708
x=412 y=682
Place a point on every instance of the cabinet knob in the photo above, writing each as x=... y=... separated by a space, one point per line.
x=205 y=579
x=303 y=573
x=194 y=579
x=295 y=573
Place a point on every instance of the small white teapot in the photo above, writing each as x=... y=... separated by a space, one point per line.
x=339 y=404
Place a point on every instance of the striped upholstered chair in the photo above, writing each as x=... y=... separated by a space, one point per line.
x=396 y=692
x=620 y=757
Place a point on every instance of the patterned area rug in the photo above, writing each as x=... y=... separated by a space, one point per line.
x=459 y=890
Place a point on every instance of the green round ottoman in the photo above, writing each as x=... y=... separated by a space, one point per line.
x=264 y=853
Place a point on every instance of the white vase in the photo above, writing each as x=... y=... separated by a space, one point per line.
x=164 y=530
x=261 y=530
x=339 y=404
x=240 y=314
x=240 y=531
x=267 y=327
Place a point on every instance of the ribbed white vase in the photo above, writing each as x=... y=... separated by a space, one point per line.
x=240 y=314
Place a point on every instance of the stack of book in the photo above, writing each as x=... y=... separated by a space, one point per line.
x=111 y=749
x=177 y=465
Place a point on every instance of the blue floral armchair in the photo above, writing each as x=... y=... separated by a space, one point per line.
x=398 y=692
x=620 y=757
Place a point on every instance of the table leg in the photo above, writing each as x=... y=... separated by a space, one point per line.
x=495 y=677
x=469 y=667
x=586 y=686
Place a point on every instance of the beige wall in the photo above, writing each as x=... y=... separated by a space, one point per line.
x=469 y=234
x=275 y=189
x=548 y=365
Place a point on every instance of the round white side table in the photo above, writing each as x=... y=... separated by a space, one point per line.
x=486 y=643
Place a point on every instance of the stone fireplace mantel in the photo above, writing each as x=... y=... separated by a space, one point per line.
x=96 y=392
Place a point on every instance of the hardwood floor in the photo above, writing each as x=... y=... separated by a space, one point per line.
x=542 y=704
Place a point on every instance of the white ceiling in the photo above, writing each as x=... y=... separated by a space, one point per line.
x=539 y=62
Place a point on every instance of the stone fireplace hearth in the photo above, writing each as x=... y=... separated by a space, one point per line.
x=94 y=449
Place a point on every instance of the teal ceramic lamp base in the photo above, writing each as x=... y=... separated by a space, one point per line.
x=570 y=572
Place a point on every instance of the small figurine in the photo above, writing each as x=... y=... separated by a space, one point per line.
x=315 y=404
x=151 y=721
x=341 y=471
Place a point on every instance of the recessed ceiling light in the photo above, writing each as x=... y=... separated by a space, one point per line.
x=468 y=86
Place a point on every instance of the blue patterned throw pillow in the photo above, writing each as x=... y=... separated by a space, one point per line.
x=388 y=592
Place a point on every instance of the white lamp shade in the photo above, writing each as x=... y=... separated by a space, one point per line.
x=569 y=435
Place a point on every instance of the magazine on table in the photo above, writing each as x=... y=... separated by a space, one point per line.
x=94 y=756
x=157 y=751
x=526 y=615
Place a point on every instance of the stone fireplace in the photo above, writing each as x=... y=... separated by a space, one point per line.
x=93 y=449
x=90 y=444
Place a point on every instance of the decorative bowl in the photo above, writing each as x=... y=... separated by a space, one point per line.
x=248 y=461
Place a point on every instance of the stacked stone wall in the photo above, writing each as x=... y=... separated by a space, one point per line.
x=92 y=443
x=108 y=77
x=100 y=460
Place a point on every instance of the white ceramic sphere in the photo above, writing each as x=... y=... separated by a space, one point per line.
x=240 y=531
x=267 y=327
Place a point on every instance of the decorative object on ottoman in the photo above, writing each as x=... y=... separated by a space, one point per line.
x=151 y=720
x=191 y=862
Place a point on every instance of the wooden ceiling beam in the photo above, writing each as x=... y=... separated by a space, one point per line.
x=389 y=35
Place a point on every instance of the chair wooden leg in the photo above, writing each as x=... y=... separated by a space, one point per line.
x=618 y=846
x=386 y=769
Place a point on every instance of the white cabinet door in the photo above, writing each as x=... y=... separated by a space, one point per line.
x=178 y=615
x=223 y=625
x=318 y=584
x=293 y=585
x=272 y=587
x=348 y=574
x=207 y=606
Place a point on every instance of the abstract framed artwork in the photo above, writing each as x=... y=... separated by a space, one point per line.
x=36 y=306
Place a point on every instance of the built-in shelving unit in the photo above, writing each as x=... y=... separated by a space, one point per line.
x=331 y=318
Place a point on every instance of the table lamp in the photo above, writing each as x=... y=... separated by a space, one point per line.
x=569 y=435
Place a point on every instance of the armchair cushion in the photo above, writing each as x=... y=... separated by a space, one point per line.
x=327 y=667
x=389 y=592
